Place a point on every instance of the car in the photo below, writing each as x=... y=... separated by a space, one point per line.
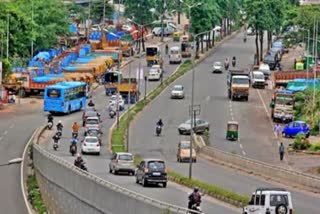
x=296 y=127
x=200 y=126
x=166 y=31
x=217 y=67
x=90 y=113
x=272 y=58
x=90 y=144
x=114 y=100
x=265 y=69
x=257 y=79
x=122 y=162
x=183 y=152
x=250 y=32
x=91 y=122
x=94 y=131
x=177 y=92
x=175 y=55
x=271 y=201
x=154 y=73
x=152 y=171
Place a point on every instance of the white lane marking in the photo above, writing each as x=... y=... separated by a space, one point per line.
x=5 y=132
x=241 y=146
x=12 y=125
x=244 y=153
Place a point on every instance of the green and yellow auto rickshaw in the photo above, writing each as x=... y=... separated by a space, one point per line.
x=232 y=130
x=176 y=36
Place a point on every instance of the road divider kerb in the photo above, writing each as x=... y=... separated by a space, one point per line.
x=287 y=177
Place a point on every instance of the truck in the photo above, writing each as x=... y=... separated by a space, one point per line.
x=283 y=77
x=238 y=84
x=153 y=55
x=282 y=106
x=126 y=86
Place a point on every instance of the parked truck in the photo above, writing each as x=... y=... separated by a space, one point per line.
x=238 y=84
x=282 y=78
x=282 y=106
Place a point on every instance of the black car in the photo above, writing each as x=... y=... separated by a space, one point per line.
x=151 y=171
x=272 y=59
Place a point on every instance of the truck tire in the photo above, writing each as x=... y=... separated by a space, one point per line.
x=22 y=92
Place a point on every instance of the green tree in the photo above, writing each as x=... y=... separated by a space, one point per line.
x=97 y=7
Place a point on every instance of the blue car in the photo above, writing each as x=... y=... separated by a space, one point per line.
x=296 y=127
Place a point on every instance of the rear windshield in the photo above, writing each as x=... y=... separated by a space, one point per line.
x=91 y=140
x=125 y=157
x=174 y=52
x=152 y=51
x=92 y=121
x=156 y=165
x=185 y=145
x=93 y=132
x=54 y=93
x=276 y=200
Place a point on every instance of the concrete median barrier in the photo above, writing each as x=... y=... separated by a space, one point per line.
x=67 y=189
x=268 y=171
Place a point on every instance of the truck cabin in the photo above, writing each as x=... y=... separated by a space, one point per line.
x=152 y=51
x=240 y=80
x=111 y=77
x=237 y=72
x=283 y=97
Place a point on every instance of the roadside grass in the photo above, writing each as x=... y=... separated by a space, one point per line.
x=34 y=195
x=205 y=188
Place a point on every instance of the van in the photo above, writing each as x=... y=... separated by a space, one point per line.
x=174 y=55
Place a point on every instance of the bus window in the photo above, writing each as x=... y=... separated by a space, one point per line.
x=53 y=93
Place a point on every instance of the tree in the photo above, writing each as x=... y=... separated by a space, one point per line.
x=97 y=8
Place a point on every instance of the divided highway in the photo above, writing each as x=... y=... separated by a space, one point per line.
x=256 y=137
x=98 y=165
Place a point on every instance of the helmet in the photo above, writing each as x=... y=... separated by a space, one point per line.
x=75 y=122
x=78 y=155
x=60 y=121
x=196 y=189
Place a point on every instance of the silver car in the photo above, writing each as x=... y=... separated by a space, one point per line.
x=122 y=162
x=200 y=127
x=217 y=67
x=177 y=92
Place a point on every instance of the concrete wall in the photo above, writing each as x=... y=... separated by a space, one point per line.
x=66 y=189
x=280 y=174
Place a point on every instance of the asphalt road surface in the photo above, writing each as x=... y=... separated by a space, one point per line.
x=98 y=165
x=256 y=136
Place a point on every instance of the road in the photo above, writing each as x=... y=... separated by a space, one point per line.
x=256 y=137
x=98 y=164
x=15 y=129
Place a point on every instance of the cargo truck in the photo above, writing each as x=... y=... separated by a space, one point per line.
x=282 y=106
x=282 y=78
x=238 y=84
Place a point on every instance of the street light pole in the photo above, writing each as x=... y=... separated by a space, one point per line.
x=32 y=29
x=129 y=102
x=163 y=9
x=8 y=23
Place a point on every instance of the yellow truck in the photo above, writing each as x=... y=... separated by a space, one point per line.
x=153 y=55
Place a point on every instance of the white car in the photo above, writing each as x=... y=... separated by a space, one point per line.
x=113 y=101
x=90 y=144
x=127 y=28
x=257 y=79
x=217 y=67
x=271 y=201
x=155 y=73
x=177 y=92
x=265 y=68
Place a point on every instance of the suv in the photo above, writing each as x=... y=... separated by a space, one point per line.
x=151 y=171
x=121 y=162
x=270 y=201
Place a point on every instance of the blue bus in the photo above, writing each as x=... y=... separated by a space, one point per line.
x=65 y=97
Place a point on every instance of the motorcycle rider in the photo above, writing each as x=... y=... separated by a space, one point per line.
x=194 y=198
x=91 y=104
x=74 y=142
x=50 y=118
x=75 y=127
x=56 y=138
x=226 y=63
x=233 y=61
x=78 y=161
x=59 y=125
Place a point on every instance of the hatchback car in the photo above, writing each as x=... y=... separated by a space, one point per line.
x=155 y=73
x=296 y=127
x=122 y=162
x=177 y=92
x=91 y=122
x=183 y=153
x=94 y=132
x=152 y=171
x=200 y=127
x=217 y=67
x=113 y=101
x=90 y=145
x=89 y=113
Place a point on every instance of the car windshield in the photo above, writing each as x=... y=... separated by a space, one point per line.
x=217 y=64
x=258 y=76
x=278 y=199
x=92 y=121
x=185 y=145
x=91 y=140
x=177 y=88
x=242 y=81
x=156 y=165
x=125 y=157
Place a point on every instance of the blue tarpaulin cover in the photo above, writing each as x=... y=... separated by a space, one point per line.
x=298 y=85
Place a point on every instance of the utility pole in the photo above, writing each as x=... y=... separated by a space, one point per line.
x=8 y=23
x=162 y=16
x=119 y=73
x=104 y=12
x=32 y=29
x=129 y=102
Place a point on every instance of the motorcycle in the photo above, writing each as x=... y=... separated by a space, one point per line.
x=233 y=63
x=50 y=125
x=196 y=207
x=158 y=130
x=59 y=132
x=73 y=149
x=75 y=134
x=245 y=39
x=83 y=166
x=55 y=145
x=112 y=114
x=226 y=66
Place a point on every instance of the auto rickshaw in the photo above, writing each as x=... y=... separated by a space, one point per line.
x=232 y=130
x=176 y=36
